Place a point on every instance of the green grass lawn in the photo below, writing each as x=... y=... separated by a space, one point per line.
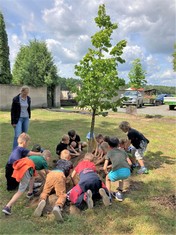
x=148 y=207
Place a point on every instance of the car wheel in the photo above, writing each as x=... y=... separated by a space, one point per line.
x=171 y=107
x=157 y=102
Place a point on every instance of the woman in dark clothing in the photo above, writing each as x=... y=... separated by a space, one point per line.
x=20 y=113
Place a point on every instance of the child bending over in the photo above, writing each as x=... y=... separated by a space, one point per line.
x=19 y=152
x=124 y=144
x=139 y=141
x=104 y=146
x=98 y=151
x=64 y=144
x=24 y=172
x=89 y=186
x=56 y=180
x=120 y=166
x=75 y=141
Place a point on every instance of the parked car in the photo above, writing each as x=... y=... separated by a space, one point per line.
x=132 y=97
x=160 y=98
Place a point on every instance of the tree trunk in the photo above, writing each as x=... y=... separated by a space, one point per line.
x=50 y=96
x=92 y=141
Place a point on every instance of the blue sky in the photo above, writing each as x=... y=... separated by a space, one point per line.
x=149 y=26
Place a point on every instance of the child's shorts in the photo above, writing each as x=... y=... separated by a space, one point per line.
x=139 y=153
x=120 y=174
x=24 y=182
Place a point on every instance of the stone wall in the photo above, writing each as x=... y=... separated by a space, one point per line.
x=38 y=96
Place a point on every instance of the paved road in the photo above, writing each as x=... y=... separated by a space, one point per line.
x=162 y=110
x=154 y=110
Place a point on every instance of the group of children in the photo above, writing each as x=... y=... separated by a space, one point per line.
x=112 y=154
x=72 y=142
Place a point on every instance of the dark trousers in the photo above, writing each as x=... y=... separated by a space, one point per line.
x=12 y=184
x=87 y=181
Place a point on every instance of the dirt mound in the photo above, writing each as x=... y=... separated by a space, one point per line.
x=166 y=201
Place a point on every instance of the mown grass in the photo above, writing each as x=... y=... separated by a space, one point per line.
x=148 y=207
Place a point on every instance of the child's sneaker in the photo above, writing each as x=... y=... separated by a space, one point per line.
x=35 y=190
x=38 y=211
x=30 y=195
x=121 y=190
x=113 y=194
x=57 y=213
x=7 y=210
x=37 y=185
x=89 y=200
x=118 y=196
x=68 y=195
x=106 y=199
x=143 y=170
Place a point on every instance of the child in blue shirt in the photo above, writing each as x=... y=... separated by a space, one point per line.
x=19 y=152
x=24 y=172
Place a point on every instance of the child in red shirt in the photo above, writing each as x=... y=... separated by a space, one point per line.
x=89 y=187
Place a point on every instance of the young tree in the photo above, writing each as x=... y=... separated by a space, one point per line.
x=5 y=73
x=98 y=69
x=137 y=75
x=174 y=58
x=34 y=66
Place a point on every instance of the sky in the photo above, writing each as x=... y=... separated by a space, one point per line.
x=149 y=26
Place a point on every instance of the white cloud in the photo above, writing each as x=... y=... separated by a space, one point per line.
x=165 y=78
x=69 y=53
x=132 y=52
x=151 y=21
x=152 y=65
x=15 y=45
x=63 y=20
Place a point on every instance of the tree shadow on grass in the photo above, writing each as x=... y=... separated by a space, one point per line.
x=155 y=160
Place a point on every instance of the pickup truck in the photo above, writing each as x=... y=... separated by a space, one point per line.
x=171 y=101
x=132 y=97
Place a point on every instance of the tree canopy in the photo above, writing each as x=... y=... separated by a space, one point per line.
x=98 y=68
x=5 y=73
x=137 y=75
x=34 y=66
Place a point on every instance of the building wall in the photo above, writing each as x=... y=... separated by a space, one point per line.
x=38 y=96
